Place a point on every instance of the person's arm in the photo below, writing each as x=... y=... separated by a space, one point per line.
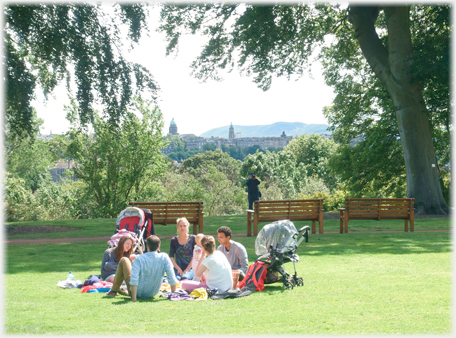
x=200 y=270
x=108 y=265
x=170 y=273
x=189 y=266
x=201 y=267
x=243 y=259
x=134 y=290
x=177 y=267
x=187 y=269
x=172 y=250
x=104 y=260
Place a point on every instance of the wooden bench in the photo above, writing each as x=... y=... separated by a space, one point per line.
x=168 y=212
x=293 y=210
x=377 y=209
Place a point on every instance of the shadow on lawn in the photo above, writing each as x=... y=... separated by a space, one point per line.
x=84 y=258
x=122 y=300
x=386 y=243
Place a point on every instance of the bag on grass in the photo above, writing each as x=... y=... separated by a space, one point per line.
x=256 y=273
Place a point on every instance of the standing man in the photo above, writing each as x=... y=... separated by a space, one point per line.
x=233 y=251
x=145 y=276
x=252 y=189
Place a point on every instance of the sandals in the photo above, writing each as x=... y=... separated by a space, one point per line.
x=111 y=293
x=123 y=292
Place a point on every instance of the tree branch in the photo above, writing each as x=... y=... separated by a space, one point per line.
x=363 y=20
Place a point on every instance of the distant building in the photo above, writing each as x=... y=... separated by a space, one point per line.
x=194 y=141
x=231 y=132
x=59 y=169
x=45 y=137
x=173 y=128
x=234 y=139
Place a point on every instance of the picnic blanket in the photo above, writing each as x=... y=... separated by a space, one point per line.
x=97 y=287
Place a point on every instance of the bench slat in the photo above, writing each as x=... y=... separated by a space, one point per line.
x=380 y=208
x=274 y=210
x=168 y=212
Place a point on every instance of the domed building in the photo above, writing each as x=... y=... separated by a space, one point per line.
x=173 y=128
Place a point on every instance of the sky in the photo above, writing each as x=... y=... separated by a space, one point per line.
x=198 y=107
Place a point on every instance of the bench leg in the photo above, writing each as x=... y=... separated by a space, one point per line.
x=346 y=224
x=195 y=229
x=249 y=226
x=405 y=225
x=412 y=225
x=341 y=222
x=200 y=225
x=320 y=227
x=314 y=228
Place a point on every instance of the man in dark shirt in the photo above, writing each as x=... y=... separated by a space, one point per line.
x=252 y=189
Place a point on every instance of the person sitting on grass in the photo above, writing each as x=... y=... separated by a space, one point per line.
x=235 y=252
x=215 y=267
x=145 y=277
x=112 y=256
x=181 y=250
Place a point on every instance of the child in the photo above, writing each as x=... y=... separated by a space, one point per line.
x=197 y=252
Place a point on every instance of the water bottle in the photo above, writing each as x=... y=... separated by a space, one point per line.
x=70 y=277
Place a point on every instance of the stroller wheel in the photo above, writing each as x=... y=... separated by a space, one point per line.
x=299 y=281
x=287 y=285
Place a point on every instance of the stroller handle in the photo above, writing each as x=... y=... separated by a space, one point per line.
x=304 y=232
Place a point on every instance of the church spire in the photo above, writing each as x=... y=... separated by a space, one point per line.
x=231 y=133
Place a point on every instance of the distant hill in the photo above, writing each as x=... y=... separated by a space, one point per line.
x=275 y=129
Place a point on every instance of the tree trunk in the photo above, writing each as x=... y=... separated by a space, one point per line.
x=392 y=67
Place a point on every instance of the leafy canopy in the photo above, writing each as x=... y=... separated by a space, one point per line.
x=118 y=162
x=46 y=44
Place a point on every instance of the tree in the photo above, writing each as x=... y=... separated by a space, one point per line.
x=45 y=42
x=279 y=40
x=218 y=172
x=118 y=162
x=393 y=67
x=27 y=159
x=31 y=161
x=223 y=162
x=209 y=147
x=314 y=151
x=252 y=149
x=276 y=169
x=363 y=109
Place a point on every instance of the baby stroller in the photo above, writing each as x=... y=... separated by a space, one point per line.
x=137 y=221
x=276 y=244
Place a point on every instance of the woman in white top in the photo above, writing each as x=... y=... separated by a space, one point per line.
x=213 y=268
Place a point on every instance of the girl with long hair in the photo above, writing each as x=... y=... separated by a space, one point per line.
x=112 y=257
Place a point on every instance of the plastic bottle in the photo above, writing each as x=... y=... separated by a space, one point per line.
x=70 y=277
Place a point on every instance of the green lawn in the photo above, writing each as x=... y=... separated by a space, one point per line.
x=238 y=224
x=354 y=284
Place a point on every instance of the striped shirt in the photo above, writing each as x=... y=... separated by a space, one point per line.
x=147 y=273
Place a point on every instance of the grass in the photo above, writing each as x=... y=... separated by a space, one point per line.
x=105 y=227
x=355 y=283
